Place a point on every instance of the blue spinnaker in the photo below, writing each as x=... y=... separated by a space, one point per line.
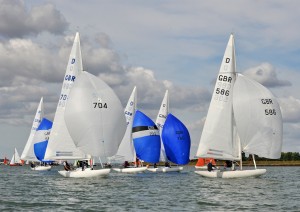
x=176 y=140
x=146 y=139
x=41 y=137
x=40 y=149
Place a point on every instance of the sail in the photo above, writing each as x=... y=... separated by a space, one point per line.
x=61 y=145
x=28 y=153
x=41 y=138
x=15 y=158
x=126 y=149
x=258 y=118
x=160 y=121
x=146 y=138
x=176 y=139
x=94 y=116
x=219 y=137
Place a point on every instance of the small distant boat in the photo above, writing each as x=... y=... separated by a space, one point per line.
x=175 y=139
x=126 y=151
x=243 y=116
x=202 y=163
x=16 y=160
x=40 y=145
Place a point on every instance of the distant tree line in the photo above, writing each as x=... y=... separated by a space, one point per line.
x=285 y=156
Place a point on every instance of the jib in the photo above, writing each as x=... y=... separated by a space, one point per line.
x=70 y=78
x=266 y=101
x=225 y=78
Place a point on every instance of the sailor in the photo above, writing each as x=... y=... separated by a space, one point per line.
x=210 y=166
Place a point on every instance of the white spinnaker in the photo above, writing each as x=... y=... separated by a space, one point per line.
x=61 y=145
x=160 y=121
x=28 y=152
x=219 y=138
x=126 y=150
x=258 y=118
x=95 y=117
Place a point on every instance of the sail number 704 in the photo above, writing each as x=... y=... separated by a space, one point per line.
x=100 y=105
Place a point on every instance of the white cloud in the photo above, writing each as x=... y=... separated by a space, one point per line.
x=16 y=21
x=290 y=108
x=266 y=75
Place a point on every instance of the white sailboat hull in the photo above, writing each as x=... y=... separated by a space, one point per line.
x=41 y=168
x=88 y=172
x=131 y=170
x=166 y=169
x=232 y=174
x=201 y=167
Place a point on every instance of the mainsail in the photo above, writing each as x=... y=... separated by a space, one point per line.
x=61 y=145
x=28 y=153
x=126 y=150
x=219 y=138
x=160 y=121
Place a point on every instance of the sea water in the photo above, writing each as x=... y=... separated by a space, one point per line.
x=26 y=190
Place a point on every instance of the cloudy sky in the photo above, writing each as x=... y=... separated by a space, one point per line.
x=155 y=45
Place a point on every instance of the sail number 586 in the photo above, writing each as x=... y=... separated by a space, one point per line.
x=270 y=112
x=222 y=92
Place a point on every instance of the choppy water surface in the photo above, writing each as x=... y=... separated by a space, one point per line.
x=26 y=190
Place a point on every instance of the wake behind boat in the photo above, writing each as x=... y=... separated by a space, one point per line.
x=243 y=116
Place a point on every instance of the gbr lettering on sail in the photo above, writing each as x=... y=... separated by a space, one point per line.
x=224 y=84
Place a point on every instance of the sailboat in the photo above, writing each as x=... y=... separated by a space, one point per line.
x=95 y=120
x=126 y=150
x=146 y=139
x=202 y=163
x=28 y=153
x=15 y=160
x=40 y=142
x=171 y=137
x=60 y=145
x=243 y=116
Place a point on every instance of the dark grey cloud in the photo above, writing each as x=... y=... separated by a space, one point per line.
x=17 y=21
